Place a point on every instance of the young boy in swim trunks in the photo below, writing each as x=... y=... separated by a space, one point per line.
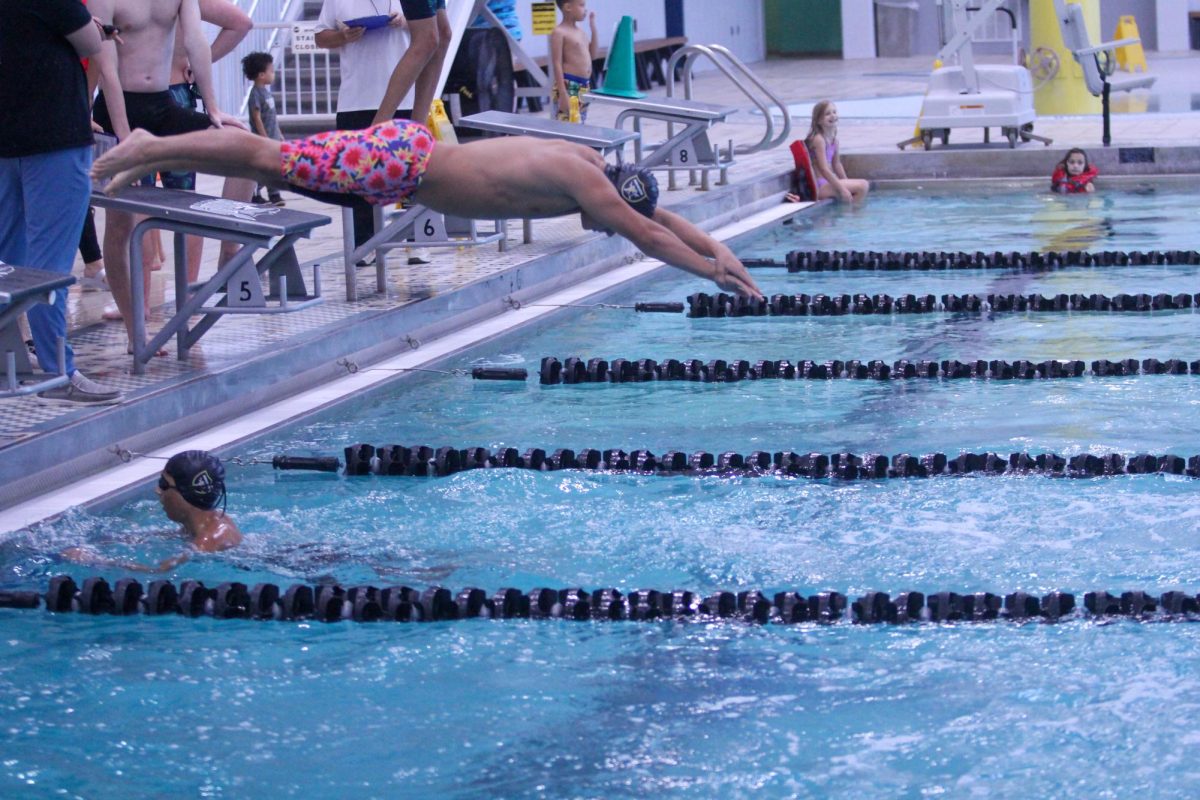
x=513 y=177
x=572 y=55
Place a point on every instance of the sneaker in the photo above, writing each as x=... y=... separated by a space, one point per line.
x=419 y=255
x=274 y=199
x=258 y=200
x=81 y=389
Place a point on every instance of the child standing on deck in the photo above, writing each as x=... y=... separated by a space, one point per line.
x=1073 y=175
x=822 y=144
x=259 y=68
x=572 y=55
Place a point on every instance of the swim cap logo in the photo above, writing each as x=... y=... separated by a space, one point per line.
x=203 y=482
x=633 y=191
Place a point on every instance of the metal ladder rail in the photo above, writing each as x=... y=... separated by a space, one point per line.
x=689 y=53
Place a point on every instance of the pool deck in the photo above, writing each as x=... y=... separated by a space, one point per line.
x=247 y=363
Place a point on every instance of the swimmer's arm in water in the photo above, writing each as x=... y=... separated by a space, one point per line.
x=89 y=557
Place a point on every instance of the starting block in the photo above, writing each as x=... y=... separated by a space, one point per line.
x=20 y=289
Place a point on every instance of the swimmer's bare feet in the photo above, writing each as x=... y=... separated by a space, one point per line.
x=125 y=163
x=159 y=353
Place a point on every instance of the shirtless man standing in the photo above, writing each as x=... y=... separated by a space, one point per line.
x=511 y=177
x=234 y=25
x=148 y=31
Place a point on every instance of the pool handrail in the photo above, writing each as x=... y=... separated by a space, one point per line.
x=688 y=54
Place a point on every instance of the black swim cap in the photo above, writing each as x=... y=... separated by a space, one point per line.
x=637 y=186
x=199 y=477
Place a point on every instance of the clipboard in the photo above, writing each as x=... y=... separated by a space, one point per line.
x=370 y=23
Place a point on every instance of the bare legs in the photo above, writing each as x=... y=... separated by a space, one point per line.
x=420 y=66
x=857 y=187
x=226 y=151
x=118 y=226
x=427 y=81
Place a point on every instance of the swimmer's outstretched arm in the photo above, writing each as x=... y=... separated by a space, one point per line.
x=89 y=557
x=729 y=266
x=225 y=151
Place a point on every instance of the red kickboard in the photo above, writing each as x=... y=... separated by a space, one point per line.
x=806 y=181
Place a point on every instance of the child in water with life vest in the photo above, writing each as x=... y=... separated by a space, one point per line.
x=829 y=176
x=1073 y=175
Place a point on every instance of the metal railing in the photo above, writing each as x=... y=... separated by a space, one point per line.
x=736 y=70
x=1001 y=30
x=306 y=90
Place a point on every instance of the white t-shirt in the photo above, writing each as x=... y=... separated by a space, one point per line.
x=366 y=64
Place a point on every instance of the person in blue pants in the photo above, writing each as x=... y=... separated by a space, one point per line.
x=45 y=156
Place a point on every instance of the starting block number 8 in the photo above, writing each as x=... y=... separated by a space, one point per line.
x=682 y=156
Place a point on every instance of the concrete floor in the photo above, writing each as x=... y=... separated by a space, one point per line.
x=867 y=133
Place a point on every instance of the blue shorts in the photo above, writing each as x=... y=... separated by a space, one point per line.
x=421 y=9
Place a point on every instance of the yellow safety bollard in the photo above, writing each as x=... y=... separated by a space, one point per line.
x=1130 y=57
x=1066 y=93
x=439 y=123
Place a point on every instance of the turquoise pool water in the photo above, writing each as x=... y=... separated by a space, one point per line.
x=175 y=706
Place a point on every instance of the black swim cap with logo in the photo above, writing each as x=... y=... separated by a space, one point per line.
x=637 y=187
x=199 y=477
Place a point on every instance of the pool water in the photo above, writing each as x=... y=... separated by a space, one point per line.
x=174 y=706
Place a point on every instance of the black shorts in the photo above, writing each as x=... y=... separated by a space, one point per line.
x=421 y=9
x=156 y=112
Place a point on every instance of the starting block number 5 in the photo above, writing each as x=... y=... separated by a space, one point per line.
x=244 y=289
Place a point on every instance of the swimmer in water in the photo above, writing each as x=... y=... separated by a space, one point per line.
x=190 y=488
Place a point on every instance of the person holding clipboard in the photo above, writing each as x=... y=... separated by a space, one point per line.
x=370 y=36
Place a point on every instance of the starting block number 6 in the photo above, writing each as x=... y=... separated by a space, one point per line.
x=430 y=227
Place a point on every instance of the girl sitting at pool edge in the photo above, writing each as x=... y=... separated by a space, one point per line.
x=1073 y=175
x=822 y=145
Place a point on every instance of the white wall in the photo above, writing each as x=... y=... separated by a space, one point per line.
x=736 y=24
x=1172 y=25
x=858 y=29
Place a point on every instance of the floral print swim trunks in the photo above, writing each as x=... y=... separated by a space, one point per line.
x=382 y=164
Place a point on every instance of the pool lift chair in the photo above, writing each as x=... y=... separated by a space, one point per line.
x=967 y=95
x=1096 y=61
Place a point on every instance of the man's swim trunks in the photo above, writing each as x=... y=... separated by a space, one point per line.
x=156 y=112
x=184 y=95
x=381 y=164
x=576 y=87
x=421 y=9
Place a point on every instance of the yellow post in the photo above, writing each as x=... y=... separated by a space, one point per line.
x=439 y=123
x=1131 y=56
x=1066 y=93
